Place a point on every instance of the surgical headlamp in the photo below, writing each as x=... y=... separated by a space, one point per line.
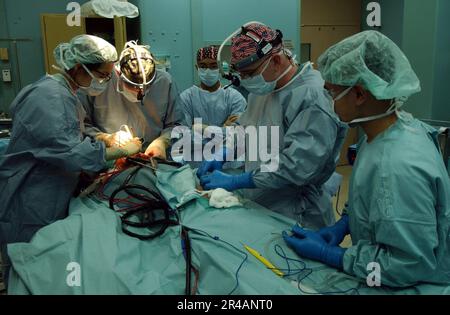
x=138 y=55
x=265 y=48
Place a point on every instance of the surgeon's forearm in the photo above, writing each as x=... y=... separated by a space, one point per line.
x=115 y=153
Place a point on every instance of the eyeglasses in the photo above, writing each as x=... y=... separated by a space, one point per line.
x=253 y=72
x=335 y=96
x=104 y=77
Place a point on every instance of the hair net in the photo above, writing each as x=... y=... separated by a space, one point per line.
x=84 y=49
x=372 y=60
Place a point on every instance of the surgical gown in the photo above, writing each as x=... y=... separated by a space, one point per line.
x=399 y=207
x=149 y=120
x=40 y=170
x=310 y=140
x=213 y=108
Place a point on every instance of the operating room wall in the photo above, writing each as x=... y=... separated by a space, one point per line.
x=391 y=19
x=180 y=27
x=419 y=45
x=7 y=90
x=166 y=27
x=441 y=99
x=420 y=28
x=20 y=19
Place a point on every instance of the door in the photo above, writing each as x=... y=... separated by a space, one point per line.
x=54 y=31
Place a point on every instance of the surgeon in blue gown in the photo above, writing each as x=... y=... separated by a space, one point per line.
x=290 y=97
x=139 y=96
x=47 y=151
x=398 y=212
x=210 y=102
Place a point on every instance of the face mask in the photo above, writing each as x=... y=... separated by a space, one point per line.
x=395 y=105
x=258 y=85
x=96 y=87
x=129 y=95
x=340 y=96
x=208 y=77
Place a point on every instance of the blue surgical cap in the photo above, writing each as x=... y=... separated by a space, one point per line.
x=84 y=49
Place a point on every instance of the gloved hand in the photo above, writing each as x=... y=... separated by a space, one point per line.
x=228 y=182
x=311 y=245
x=157 y=149
x=117 y=139
x=216 y=164
x=131 y=148
x=106 y=138
x=334 y=235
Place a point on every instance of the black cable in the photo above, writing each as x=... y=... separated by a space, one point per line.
x=147 y=213
x=337 y=201
x=187 y=250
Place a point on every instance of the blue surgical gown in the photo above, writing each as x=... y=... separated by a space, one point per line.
x=213 y=108
x=310 y=140
x=399 y=207
x=150 y=119
x=40 y=170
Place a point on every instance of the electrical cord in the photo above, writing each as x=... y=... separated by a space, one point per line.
x=153 y=214
x=152 y=205
x=337 y=201
x=302 y=272
x=186 y=245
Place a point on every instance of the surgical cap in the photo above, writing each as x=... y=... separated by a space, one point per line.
x=372 y=60
x=209 y=52
x=84 y=49
x=129 y=64
x=243 y=46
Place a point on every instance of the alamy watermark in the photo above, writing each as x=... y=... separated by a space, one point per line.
x=373 y=279
x=73 y=278
x=374 y=17
x=248 y=143
x=74 y=16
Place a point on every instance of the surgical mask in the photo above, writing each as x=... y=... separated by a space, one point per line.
x=396 y=104
x=340 y=96
x=96 y=87
x=208 y=77
x=259 y=86
x=132 y=97
x=129 y=95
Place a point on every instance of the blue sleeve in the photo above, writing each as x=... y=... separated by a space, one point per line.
x=409 y=233
x=238 y=103
x=51 y=124
x=308 y=145
x=185 y=106
x=173 y=116
x=88 y=102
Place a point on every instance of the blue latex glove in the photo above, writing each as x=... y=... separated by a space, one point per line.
x=311 y=245
x=210 y=166
x=229 y=182
x=334 y=235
